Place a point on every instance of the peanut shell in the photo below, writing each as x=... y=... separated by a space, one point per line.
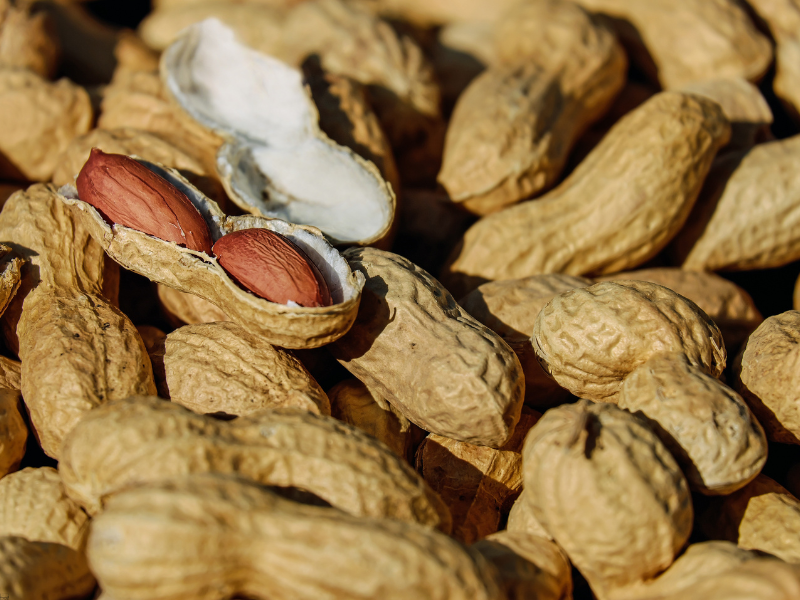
x=34 y=505
x=683 y=41
x=762 y=516
x=284 y=447
x=748 y=219
x=729 y=306
x=427 y=357
x=513 y=127
x=42 y=570
x=9 y=373
x=705 y=424
x=617 y=209
x=13 y=431
x=219 y=538
x=765 y=376
x=28 y=39
x=509 y=308
x=521 y=519
x=530 y=566
x=590 y=339
x=188 y=309
x=199 y=274
x=222 y=369
x=38 y=120
x=585 y=466
x=478 y=484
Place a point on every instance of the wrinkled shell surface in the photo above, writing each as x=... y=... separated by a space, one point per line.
x=477 y=483
x=426 y=356
x=513 y=128
x=705 y=424
x=683 y=41
x=761 y=516
x=767 y=376
x=289 y=448
x=27 y=39
x=219 y=538
x=34 y=505
x=590 y=339
x=522 y=519
x=221 y=368
x=729 y=306
x=9 y=373
x=754 y=221
x=200 y=274
x=188 y=308
x=38 y=120
x=13 y=431
x=617 y=209
x=509 y=308
x=530 y=566
x=586 y=466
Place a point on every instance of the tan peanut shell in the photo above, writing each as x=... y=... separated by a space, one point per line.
x=521 y=519
x=766 y=377
x=477 y=483
x=38 y=120
x=182 y=308
x=284 y=447
x=425 y=13
x=729 y=306
x=137 y=142
x=590 y=339
x=40 y=570
x=743 y=105
x=509 y=308
x=10 y=274
x=512 y=129
x=217 y=538
x=758 y=579
x=683 y=41
x=706 y=425
x=747 y=220
x=427 y=357
x=28 y=39
x=9 y=373
x=77 y=352
x=617 y=209
x=585 y=464
x=13 y=431
x=34 y=505
x=139 y=100
x=761 y=516
x=222 y=369
x=200 y=274
x=530 y=566
x=352 y=402
x=782 y=17
x=698 y=562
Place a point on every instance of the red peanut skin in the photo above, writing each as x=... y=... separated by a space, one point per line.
x=273 y=267
x=127 y=193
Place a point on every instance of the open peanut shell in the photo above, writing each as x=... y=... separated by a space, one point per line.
x=200 y=274
x=276 y=161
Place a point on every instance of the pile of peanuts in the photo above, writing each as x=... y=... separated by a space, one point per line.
x=400 y=299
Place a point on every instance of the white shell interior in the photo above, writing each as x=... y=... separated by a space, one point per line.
x=277 y=160
x=329 y=261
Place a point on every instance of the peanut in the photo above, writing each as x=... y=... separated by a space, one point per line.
x=521 y=519
x=762 y=516
x=181 y=308
x=590 y=339
x=9 y=373
x=222 y=369
x=583 y=464
x=428 y=358
x=27 y=39
x=127 y=193
x=509 y=308
x=219 y=537
x=617 y=209
x=284 y=447
x=272 y=267
x=765 y=376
